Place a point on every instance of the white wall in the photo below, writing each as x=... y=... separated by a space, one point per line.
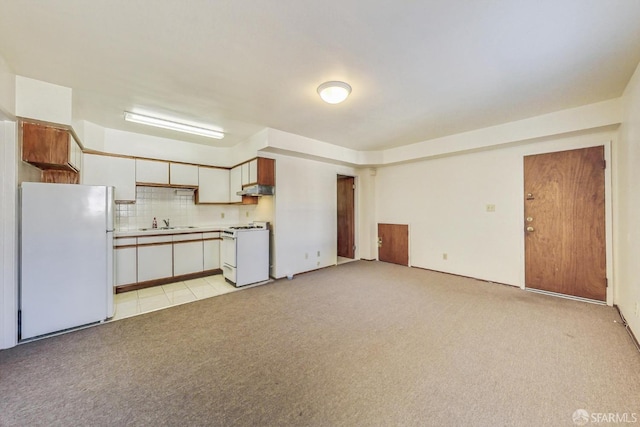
x=8 y=236
x=40 y=100
x=7 y=90
x=444 y=202
x=139 y=145
x=367 y=242
x=91 y=135
x=627 y=244
x=585 y=117
x=162 y=203
x=306 y=214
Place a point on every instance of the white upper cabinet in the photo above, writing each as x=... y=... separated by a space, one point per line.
x=119 y=172
x=253 y=171
x=75 y=154
x=181 y=174
x=213 y=185
x=152 y=172
x=245 y=173
x=235 y=184
x=249 y=172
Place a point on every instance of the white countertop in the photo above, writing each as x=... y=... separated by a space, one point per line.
x=171 y=230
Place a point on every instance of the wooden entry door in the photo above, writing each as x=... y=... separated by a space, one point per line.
x=565 y=223
x=393 y=243
x=346 y=217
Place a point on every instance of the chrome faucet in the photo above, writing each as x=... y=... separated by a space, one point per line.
x=166 y=222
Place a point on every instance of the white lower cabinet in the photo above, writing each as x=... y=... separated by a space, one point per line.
x=187 y=257
x=155 y=261
x=126 y=265
x=156 y=257
x=211 y=252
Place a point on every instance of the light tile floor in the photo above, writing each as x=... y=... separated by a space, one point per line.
x=343 y=260
x=132 y=303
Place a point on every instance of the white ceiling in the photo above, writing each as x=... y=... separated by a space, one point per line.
x=419 y=69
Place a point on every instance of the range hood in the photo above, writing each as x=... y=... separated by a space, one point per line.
x=257 y=190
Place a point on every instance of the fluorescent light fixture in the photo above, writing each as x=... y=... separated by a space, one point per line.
x=167 y=124
x=334 y=92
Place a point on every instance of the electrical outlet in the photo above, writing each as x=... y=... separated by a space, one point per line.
x=318 y=264
x=222 y=215
x=247 y=214
x=318 y=253
x=445 y=256
x=491 y=208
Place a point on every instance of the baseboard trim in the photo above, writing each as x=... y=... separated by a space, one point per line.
x=629 y=331
x=565 y=296
x=465 y=277
x=156 y=282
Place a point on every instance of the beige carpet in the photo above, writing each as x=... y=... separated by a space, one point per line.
x=362 y=344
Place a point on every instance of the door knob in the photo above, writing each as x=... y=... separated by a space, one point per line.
x=530 y=229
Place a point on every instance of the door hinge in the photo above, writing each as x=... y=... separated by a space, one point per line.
x=353 y=187
x=606 y=282
x=604 y=164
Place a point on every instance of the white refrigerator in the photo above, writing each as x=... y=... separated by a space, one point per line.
x=66 y=257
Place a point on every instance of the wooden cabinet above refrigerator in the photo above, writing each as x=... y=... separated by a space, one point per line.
x=48 y=147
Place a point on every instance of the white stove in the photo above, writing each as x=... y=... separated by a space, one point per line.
x=233 y=231
x=245 y=254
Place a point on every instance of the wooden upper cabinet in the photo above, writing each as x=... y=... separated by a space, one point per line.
x=266 y=171
x=49 y=147
x=260 y=171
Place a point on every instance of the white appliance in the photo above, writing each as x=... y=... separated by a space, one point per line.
x=245 y=254
x=66 y=256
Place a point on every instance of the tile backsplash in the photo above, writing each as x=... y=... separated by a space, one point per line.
x=179 y=207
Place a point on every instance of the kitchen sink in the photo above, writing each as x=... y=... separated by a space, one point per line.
x=169 y=228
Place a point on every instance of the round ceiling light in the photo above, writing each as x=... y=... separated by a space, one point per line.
x=334 y=92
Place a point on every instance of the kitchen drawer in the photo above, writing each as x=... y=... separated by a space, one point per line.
x=229 y=273
x=211 y=235
x=125 y=241
x=187 y=237
x=155 y=239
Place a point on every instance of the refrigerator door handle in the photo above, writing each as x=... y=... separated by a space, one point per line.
x=110 y=208
x=111 y=267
